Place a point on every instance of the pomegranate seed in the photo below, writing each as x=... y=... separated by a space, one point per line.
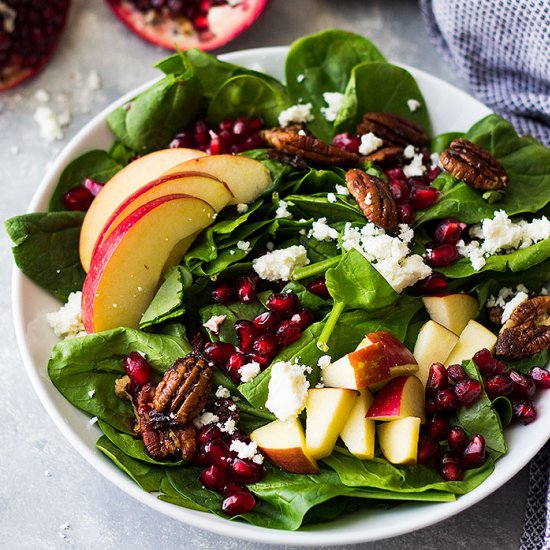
x=395 y=174
x=218 y=352
x=247 y=334
x=540 y=376
x=246 y=288
x=498 y=384
x=450 y=468
x=218 y=453
x=288 y=332
x=486 y=363
x=256 y=124
x=201 y=459
x=214 y=478
x=524 y=387
x=474 y=454
x=406 y=214
x=303 y=318
x=266 y=345
x=234 y=364
x=241 y=127
x=438 y=427
x=231 y=488
x=183 y=139
x=430 y=405
x=456 y=373
x=400 y=191
x=428 y=450
x=198 y=340
x=201 y=132
x=238 y=503
x=237 y=436
x=437 y=378
x=267 y=322
x=449 y=231
x=285 y=304
x=137 y=368
x=246 y=471
x=77 y=199
x=435 y=283
x=524 y=411
x=262 y=360
x=446 y=400
x=418 y=181
x=458 y=440
x=208 y=433
x=423 y=197
x=433 y=172
x=468 y=391
x=223 y=293
x=93 y=186
x=200 y=23
x=347 y=142
x=441 y=256
x=319 y=288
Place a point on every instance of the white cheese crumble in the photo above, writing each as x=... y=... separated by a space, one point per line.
x=408 y=152
x=41 y=95
x=205 y=419
x=415 y=168
x=214 y=323
x=300 y=78
x=92 y=421
x=413 y=105
x=324 y=361
x=331 y=197
x=246 y=451
x=287 y=390
x=518 y=299
x=222 y=393
x=91 y=393
x=49 y=123
x=280 y=265
x=270 y=245
x=244 y=246
x=228 y=427
x=67 y=322
x=242 y=208
x=434 y=158
x=341 y=189
x=282 y=210
x=334 y=100
x=249 y=371
x=321 y=231
x=369 y=143
x=297 y=114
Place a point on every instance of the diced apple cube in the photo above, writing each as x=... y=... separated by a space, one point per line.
x=453 y=311
x=358 y=432
x=398 y=440
x=473 y=338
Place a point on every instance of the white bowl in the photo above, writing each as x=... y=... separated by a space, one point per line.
x=451 y=110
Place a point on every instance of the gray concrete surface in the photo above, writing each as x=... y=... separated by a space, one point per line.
x=43 y=481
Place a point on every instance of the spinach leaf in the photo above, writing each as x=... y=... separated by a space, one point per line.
x=46 y=250
x=306 y=206
x=315 y=181
x=97 y=165
x=84 y=369
x=381 y=87
x=278 y=171
x=524 y=365
x=171 y=495
x=321 y=63
x=442 y=141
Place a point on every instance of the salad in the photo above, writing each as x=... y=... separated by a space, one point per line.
x=287 y=302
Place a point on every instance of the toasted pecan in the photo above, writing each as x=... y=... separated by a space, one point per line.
x=394 y=130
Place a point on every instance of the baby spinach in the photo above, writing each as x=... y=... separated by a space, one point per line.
x=307 y=206
x=442 y=141
x=46 y=250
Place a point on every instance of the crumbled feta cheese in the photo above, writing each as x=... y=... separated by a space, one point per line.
x=297 y=114
x=270 y=245
x=341 y=189
x=319 y=385
x=331 y=197
x=214 y=323
x=302 y=132
x=49 y=123
x=205 y=419
x=249 y=371
x=244 y=246
x=324 y=361
x=434 y=158
x=334 y=100
x=228 y=427
x=518 y=299
x=41 y=95
x=92 y=421
x=321 y=231
x=413 y=105
x=280 y=265
x=246 y=451
x=369 y=143
x=222 y=393
x=232 y=252
x=368 y=199
x=91 y=393
x=300 y=78
x=287 y=390
x=282 y=210
x=415 y=168
x=409 y=152
x=242 y=208
x=67 y=322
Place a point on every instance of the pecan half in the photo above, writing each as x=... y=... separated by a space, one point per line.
x=495 y=314
x=527 y=331
x=373 y=197
x=393 y=129
x=308 y=147
x=184 y=388
x=172 y=442
x=387 y=156
x=467 y=161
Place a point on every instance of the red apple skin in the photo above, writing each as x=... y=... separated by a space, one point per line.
x=369 y=366
x=291 y=460
x=388 y=400
x=394 y=352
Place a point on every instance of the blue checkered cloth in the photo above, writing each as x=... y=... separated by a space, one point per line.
x=502 y=50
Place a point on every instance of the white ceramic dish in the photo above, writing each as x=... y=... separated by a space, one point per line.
x=450 y=109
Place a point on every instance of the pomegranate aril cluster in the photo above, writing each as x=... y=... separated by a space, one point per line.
x=230 y=136
x=79 y=198
x=444 y=250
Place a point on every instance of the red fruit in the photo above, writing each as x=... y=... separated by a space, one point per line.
x=78 y=199
x=223 y=293
x=468 y=391
x=247 y=334
x=319 y=288
x=234 y=364
x=524 y=411
x=405 y=214
x=540 y=376
x=395 y=174
x=219 y=352
x=198 y=340
x=441 y=256
x=303 y=318
x=486 y=363
x=266 y=345
x=498 y=384
x=267 y=322
x=137 y=368
x=474 y=454
x=201 y=459
x=231 y=488
x=347 y=142
x=93 y=186
x=457 y=439
x=288 y=332
x=218 y=453
x=238 y=503
x=262 y=360
x=437 y=378
x=182 y=139
x=450 y=468
x=456 y=373
x=246 y=471
x=524 y=387
x=423 y=197
x=246 y=288
x=208 y=433
x=438 y=427
x=183 y=25
x=428 y=450
x=435 y=283
x=449 y=231
x=201 y=133
x=418 y=181
x=214 y=478
x=446 y=400
x=286 y=304
x=430 y=405
x=29 y=33
x=433 y=172
x=400 y=191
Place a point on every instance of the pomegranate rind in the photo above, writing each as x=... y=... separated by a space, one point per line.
x=226 y=23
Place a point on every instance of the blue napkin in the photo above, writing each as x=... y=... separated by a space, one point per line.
x=501 y=48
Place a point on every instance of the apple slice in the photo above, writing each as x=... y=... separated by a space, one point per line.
x=327 y=410
x=247 y=178
x=453 y=311
x=202 y=186
x=127 y=268
x=378 y=358
x=473 y=338
x=398 y=439
x=358 y=431
x=121 y=185
x=401 y=397
x=433 y=345
x=284 y=444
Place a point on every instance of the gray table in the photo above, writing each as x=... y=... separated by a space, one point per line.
x=44 y=483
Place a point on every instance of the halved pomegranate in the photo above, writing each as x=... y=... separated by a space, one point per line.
x=185 y=24
x=29 y=33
